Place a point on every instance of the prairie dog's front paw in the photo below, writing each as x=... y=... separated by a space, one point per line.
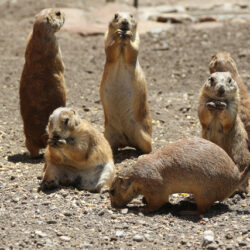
x=211 y=105
x=48 y=185
x=220 y=105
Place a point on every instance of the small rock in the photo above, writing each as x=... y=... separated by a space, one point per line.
x=124 y=211
x=86 y=245
x=138 y=238
x=119 y=233
x=101 y=213
x=148 y=237
x=51 y=222
x=48 y=241
x=229 y=236
x=68 y=214
x=208 y=237
x=40 y=234
x=212 y=246
x=65 y=238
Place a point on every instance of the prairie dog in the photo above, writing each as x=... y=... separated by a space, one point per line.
x=191 y=165
x=223 y=62
x=77 y=154
x=42 y=86
x=123 y=87
x=218 y=114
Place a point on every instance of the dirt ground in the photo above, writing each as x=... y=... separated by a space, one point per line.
x=176 y=65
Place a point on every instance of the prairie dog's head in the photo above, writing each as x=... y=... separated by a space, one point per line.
x=123 y=21
x=121 y=191
x=223 y=62
x=62 y=123
x=49 y=20
x=221 y=85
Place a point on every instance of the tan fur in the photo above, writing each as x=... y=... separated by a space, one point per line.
x=223 y=62
x=77 y=154
x=123 y=88
x=42 y=87
x=191 y=165
x=218 y=114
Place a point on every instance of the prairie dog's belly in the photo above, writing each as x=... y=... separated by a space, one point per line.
x=215 y=133
x=119 y=95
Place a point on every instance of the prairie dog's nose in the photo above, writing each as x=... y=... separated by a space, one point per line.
x=124 y=22
x=55 y=135
x=221 y=90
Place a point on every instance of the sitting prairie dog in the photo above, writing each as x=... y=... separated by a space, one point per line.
x=191 y=165
x=42 y=86
x=218 y=114
x=77 y=154
x=223 y=62
x=123 y=88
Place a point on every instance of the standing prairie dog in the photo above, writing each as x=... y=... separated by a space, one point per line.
x=123 y=88
x=218 y=114
x=42 y=87
x=191 y=165
x=223 y=62
x=77 y=154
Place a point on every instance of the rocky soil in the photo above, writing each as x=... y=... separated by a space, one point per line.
x=175 y=61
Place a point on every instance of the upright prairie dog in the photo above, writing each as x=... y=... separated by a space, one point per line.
x=123 y=88
x=191 y=165
x=42 y=87
x=218 y=114
x=77 y=154
x=223 y=62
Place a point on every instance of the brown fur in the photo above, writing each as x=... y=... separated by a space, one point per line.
x=218 y=114
x=223 y=62
x=42 y=87
x=123 y=88
x=191 y=165
x=77 y=153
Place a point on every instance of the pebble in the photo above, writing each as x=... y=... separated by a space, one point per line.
x=40 y=233
x=124 y=211
x=208 y=237
x=119 y=233
x=148 y=237
x=86 y=245
x=65 y=238
x=138 y=238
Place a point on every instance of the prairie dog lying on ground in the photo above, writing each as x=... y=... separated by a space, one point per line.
x=218 y=114
x=77 y=154
x=223 y=62
x=42 y=87
x=123 y=88
x=191 y=165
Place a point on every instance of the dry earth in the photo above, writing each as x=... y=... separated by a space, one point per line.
x=176 y=64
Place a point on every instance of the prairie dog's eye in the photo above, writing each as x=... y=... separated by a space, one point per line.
x=230 y=80
x=112 y=192
x=131 y=15
x=58 y=13
x=212 y=80
x=116 y=16
x=66 y=121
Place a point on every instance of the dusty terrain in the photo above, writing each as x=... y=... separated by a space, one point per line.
x=176 y=65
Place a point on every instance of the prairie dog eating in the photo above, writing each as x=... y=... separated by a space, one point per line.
x=218 y=114
x=77 y=154
x=123 y=87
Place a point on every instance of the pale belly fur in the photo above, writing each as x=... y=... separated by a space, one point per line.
x=119 y=97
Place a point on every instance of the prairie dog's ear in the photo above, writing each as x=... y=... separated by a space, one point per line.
x=73 y=120
x=124 y=182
